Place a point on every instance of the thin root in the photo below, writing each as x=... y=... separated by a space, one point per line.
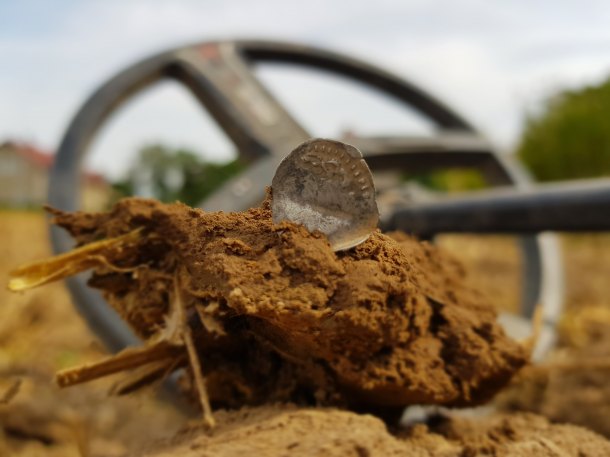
x=124 y=360
x=36 y=274
x=195 y=362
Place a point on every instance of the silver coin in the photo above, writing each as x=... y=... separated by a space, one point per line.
x=326 y=185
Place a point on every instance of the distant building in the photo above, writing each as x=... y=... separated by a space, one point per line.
x=24 y=172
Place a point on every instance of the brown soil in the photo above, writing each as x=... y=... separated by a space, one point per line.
x=573 y=384
x=287 y=430
x=41 y=333
x=278 y=316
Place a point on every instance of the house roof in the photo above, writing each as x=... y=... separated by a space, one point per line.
x=34 y=156
x=44 y=159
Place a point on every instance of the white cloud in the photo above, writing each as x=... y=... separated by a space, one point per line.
x=490 y=60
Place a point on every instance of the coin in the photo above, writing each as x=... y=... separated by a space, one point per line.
x=326 y=185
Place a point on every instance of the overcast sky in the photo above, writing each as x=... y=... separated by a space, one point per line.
x=490 y=60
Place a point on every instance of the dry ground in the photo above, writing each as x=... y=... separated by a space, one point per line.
x=40 y=333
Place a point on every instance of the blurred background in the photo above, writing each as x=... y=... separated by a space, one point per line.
x=502 y=66
x=533 y=77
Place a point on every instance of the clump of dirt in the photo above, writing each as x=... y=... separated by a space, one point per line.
x=288 y=430
x=446 y=321
x=278 y=316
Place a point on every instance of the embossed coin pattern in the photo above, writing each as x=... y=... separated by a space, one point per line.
x=326 y=185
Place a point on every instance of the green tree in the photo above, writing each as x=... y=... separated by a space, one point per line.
x=570 y=138
x=174 y=174
x=451 y=180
